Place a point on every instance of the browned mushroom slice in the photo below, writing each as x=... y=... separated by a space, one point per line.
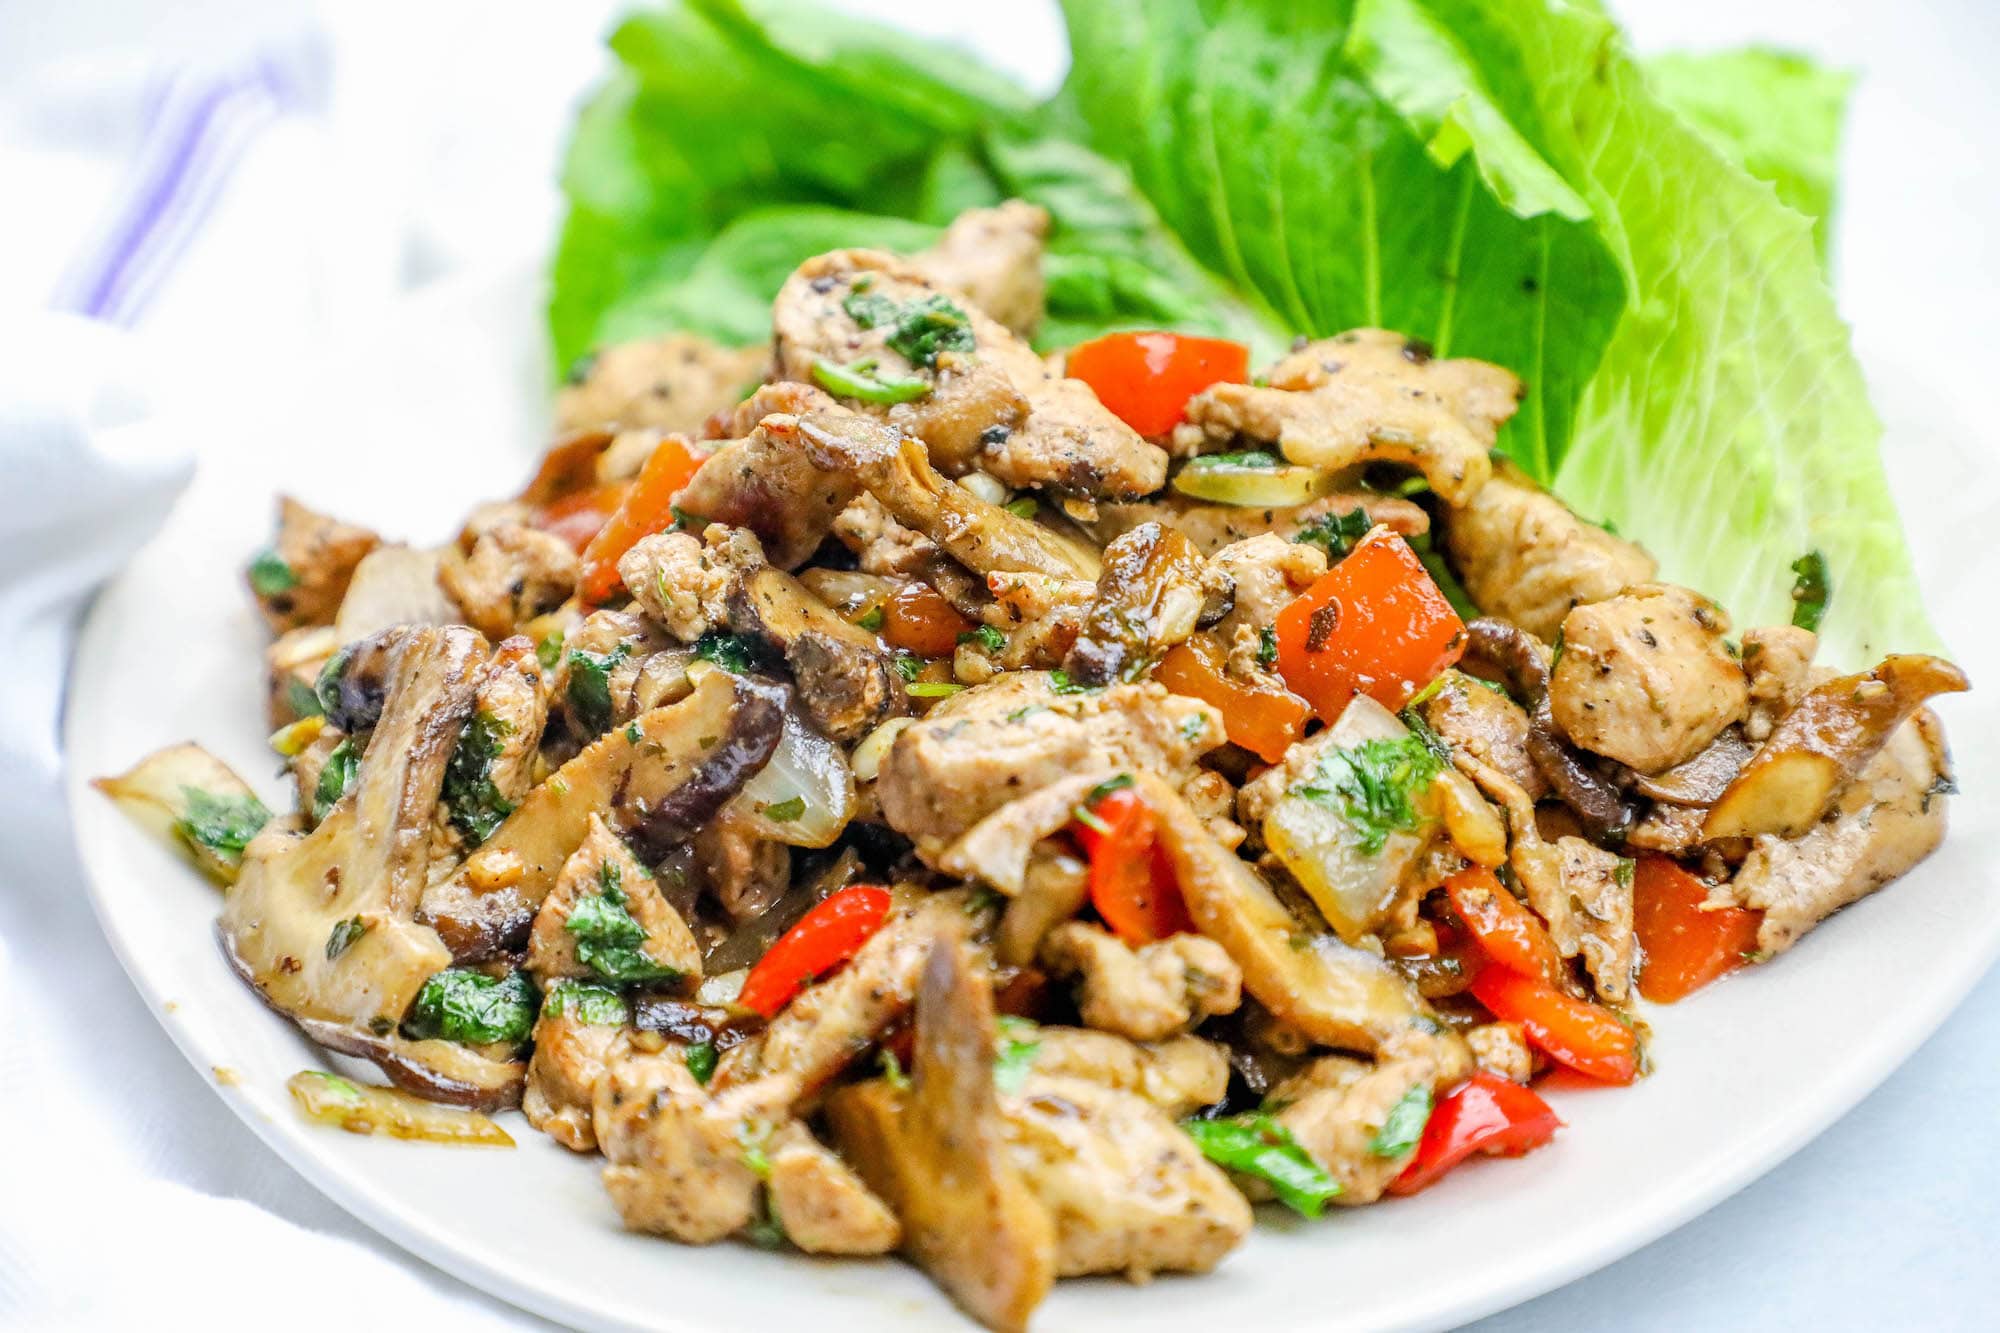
x=1367 y=396
x=938 y=1154
x=1334 y=993
x=1823 y=743
x=1154 y=592
x=656 y=780
x=845 y=677
x=321 y=923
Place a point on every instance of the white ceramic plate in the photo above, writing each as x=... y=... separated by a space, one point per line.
x=441 y=408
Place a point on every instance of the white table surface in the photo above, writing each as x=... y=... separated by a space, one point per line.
x=1889 y=1220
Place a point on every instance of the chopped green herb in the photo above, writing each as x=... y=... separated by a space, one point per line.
x=1060 y=682
x=1019 y=713
x=892 y=1070
x=868 y=309
x=589 y=692
x=1025 y=507
x=925 y=328
x=632 y=733
x=871 y=619
x=907 y=666
x=1118 y=782
x=597 y=1006
x=932 y=689
x=1019 y=1044
x=988 y=637
x=608 y=938
x=701 y=1061
x=857 y=380
x=1374 y=784
x=301 y=699
x=326 y=686
x=1256 y=1145
x=1336 y=534
x=476 y=805
x=1267 y=647
x=1089 y=818
x=333 y=1083
x=751 y=1136
x=1812 y=590
x=1556 y=656
x=549 y=651
x=343 y=935
x=1193 y=727
x=685 y=521
x=738 y=654
x=336 y=779
x=222 y=825
x=1426 y=733
x=1625 y=872
x=458 y=1004
x=786 y=810
x=1404 y=1127
x=764 y=1230
x=270 y=575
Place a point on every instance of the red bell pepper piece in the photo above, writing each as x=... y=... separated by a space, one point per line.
x=1507 y=931
x=1146 y=379
x=579 y=516
x=1132 y=884
x=1587 y=1037
x=1374 y=624
x=823 y=939
x=647 y=508
x=1486 y=1114
x=1264 y=718
x=1687 y=944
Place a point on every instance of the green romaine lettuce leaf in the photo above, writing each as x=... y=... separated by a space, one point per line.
x=1727 y=426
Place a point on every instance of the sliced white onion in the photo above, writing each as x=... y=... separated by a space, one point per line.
x=721 y=990
x=987 y=487
x=804 y=796
x=1267 y=483
x=874 y=748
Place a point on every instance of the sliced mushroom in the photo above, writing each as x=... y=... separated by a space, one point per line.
x=1703 y=779
x=1333 y=992
x=1823 y=743
x=845 y=675
x=321 y=924
x=394 y=585
x=939 y=1155
x=1155 y=590
x=656 y=780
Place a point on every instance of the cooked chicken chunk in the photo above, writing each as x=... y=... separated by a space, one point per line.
x=1593 y=915
x=1500 y=1048
x=509 y=712
x=993 y=258
x=1778 y=661
x=1041 y=430
x=1525 y=558
x=744 y=872
x=1891 y=817
x=980 y=749
x=1179 y=1076
x=301 y=580
x=1483 y=722
x=822 y=1205
x=768 y=483
x=682 y=582
x=1129 y=1191
x=1149 y=993
x=1646 y=678
x=571 y=1055
x=1367 y=396
x=512 y=574
x=672 y=383
x=1211 y=527
x=632 y=931
x=1268 y=572
x=1336 y=1107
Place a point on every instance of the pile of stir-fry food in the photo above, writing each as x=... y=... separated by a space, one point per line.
x=891 y=790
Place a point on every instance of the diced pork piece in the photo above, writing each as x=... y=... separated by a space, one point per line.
x=1778 y=661
x=993 y=258
x=1336 y=1106
x=1646 y=677
x=571 y=1055
x=512 y=574
x=679 y=1159
x=982 y=748
x=672 y=383
x=605 y=881
x=1128 y=1190
x=1477 y=719
x=1525 y=558
x=1179 y=1076
x=1211 y=527
x=302 y=578
x=1146 y=994
x=767 y=483
x=1268 y=572
x=1502 y=1049
x=847 y=307
x=1888 y=819
x=682 y=582
x=824 y=1207
x=1369 y=396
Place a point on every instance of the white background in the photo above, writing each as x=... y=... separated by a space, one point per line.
x=449 y=116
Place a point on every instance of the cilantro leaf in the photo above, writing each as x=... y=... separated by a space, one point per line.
x=1256 y=1145
x=459 y=1004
